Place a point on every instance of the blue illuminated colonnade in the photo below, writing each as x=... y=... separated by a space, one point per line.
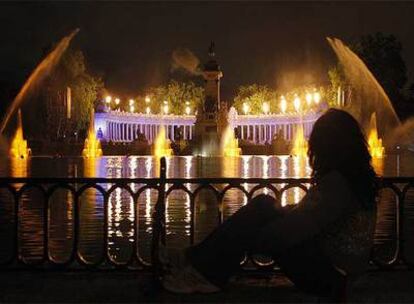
x=124 y=127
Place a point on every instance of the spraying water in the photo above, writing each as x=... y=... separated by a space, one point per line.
x=376 y=149
x=368 y=95
x=229 y=143
x=19 y=147
x=300 y=144
x=39 y=73
x=162 y=146
x=92 y=147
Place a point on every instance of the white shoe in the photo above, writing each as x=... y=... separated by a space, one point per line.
x=188 y=280
x=171 y=259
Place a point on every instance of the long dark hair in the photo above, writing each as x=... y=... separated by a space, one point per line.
x=337 y=143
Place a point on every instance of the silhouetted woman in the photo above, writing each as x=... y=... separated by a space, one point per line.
x=318 y=243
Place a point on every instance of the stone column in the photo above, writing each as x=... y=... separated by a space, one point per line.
x=254 y=133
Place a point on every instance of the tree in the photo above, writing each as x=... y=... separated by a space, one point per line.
x=337 y=80
x=382 y=55
x=71 y=72
x=177 y=95
x=254 y=96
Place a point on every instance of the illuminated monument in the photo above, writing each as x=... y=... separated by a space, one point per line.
x=207 y=131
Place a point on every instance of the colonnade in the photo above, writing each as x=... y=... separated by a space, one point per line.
x=261 y=133
x=258 y=129
x=127 y=132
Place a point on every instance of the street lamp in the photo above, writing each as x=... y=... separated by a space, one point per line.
x=316 y=97
x=131 y=102
x=296 y=103
x=187 y=108
x=308 y=98
x=148 y=110
x=147 y=99
x=117 y=101
x=266 y=108
x=283 y=104
x=131 y=108
x=246 y=108
x=108 y=99
x=165 y=107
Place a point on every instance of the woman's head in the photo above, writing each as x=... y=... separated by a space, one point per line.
x=337 y=143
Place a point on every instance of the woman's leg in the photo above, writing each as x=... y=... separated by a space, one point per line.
x=220 y=254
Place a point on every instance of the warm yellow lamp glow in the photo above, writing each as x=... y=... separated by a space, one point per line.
x=308 y=98
x=187 y=110
x=166 y=109
x=297 y=103
x=283 y=104
x=246 y=108
x=131 y=102
x=117 y=101
x=266 y=108
x=148 y=110
x=147 y=99
x=317 y=97
x=108 y=99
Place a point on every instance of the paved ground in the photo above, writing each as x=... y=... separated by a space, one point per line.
x=115 y=287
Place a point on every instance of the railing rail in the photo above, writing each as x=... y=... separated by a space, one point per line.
x=399 y=193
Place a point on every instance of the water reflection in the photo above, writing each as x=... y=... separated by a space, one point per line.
x=121 y=205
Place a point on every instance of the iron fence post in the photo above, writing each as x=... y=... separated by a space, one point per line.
x=158 y=222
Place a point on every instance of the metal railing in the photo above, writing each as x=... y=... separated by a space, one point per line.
x=398 y=188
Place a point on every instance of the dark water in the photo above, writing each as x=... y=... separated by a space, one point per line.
x=121 y=218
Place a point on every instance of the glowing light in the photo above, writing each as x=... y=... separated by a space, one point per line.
x=283 y=104
x=108 y=99
x=19 y=148
x=147 y=99
x=230 y=144
x=187 y=110
x=162 y=146
x=165 y=109
x=148 y=110
x=308 y=98
x=92 y=147
x=131 y=109
x=131 y=102
x=297 y=103
x=376 y=149
x=246 y=108
x=266 y=107
x=317 y=97
x=117 y=101
x=300 y=144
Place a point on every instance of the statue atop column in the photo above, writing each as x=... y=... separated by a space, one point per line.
x=206 y=127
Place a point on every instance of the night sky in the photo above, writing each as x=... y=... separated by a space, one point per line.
x=281 y=44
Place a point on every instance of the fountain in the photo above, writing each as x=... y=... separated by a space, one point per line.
x=92 y=146
x=375 y=146
x=19 y=148
x=162 y=146
x=39 y=73
x=229 y=143
x=300 y=144
x=368 y=95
